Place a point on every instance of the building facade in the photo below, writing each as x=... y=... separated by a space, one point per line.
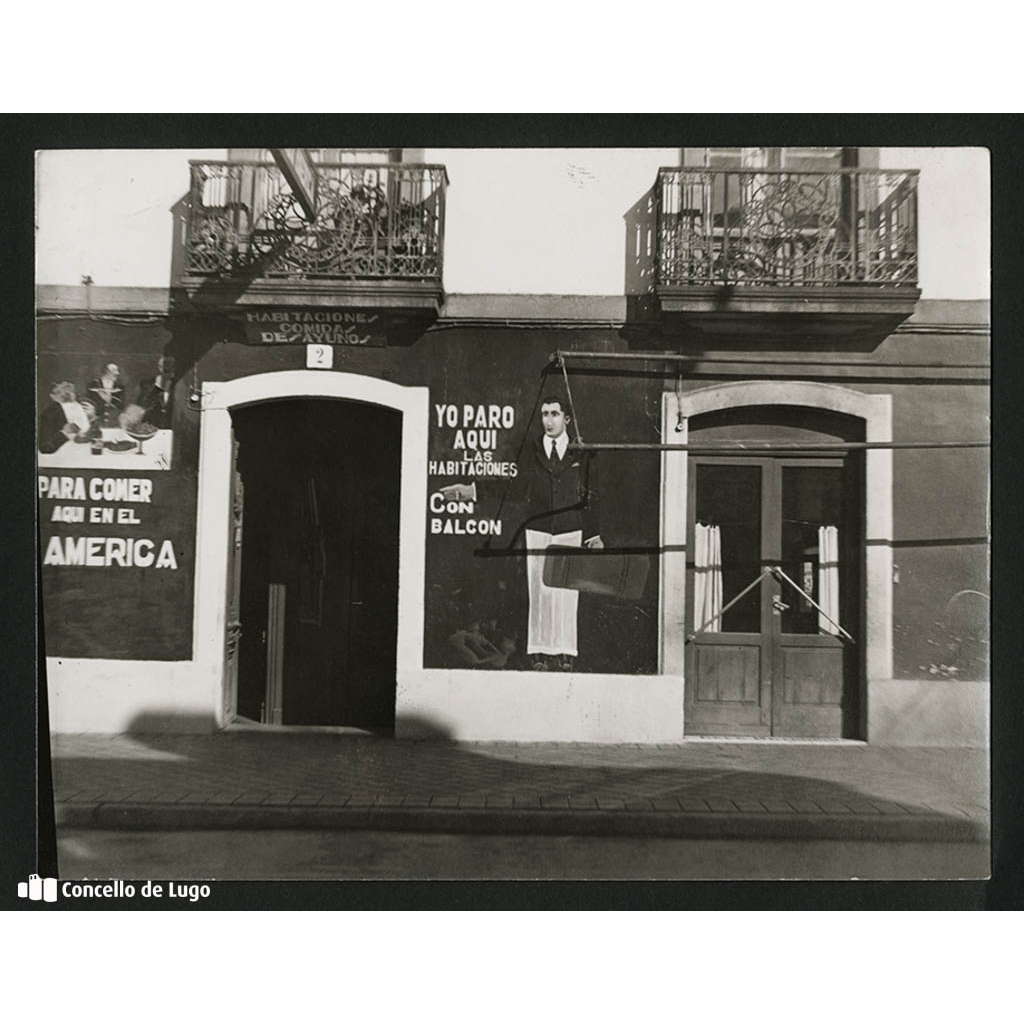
x=302 y=483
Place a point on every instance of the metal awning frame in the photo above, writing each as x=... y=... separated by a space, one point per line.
x=744 y=446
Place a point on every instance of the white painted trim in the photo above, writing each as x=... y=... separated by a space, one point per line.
x=214 y=505
x=110 y=695
x=673 y=540
x=536 y=707
x=929 y=713
x=876 y=412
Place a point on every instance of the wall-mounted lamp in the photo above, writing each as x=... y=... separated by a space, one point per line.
x=195 y=392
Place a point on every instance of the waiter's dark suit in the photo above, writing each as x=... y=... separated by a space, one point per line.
x=109 y=403
x=558 y=483
x=553 y=484
x=158 y=402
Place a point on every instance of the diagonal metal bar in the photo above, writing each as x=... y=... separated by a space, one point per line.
x=568 y=395
x=778 y=573
x=743 y=593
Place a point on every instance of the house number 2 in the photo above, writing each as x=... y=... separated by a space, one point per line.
x=319 y=357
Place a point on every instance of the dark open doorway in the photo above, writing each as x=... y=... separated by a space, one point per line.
x=317 y=490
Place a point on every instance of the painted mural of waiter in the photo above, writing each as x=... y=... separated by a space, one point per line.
x=561 y=483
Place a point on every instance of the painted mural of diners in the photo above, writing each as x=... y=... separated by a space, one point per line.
x=74 y=431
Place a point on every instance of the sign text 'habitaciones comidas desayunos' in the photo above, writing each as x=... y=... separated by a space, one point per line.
x=314 y=327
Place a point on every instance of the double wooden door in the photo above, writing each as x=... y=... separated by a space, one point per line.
x=780 y=541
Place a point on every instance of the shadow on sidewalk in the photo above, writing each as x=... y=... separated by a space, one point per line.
x=310 y=768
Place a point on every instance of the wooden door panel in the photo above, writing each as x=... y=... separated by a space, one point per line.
x=728 y=674
x=233 y=619
x=812 y=675
x=726 y=696
x=809 y=699
x=277 y=607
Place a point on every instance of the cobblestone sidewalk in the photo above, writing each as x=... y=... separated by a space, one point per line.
x=309 y=779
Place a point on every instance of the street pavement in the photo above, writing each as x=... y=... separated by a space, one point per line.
x=362 y=855
x=328 y=781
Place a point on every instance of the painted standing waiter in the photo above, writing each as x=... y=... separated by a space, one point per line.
x=107 y=394
x=156 y=395
x=559 y=490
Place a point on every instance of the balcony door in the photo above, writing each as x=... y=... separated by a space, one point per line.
x=773 y=588
x=789 y=158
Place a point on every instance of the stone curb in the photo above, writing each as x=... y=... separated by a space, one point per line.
x=934 y=827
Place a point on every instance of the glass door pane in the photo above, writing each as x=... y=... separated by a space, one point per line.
x=811 y=504
x=729 y=497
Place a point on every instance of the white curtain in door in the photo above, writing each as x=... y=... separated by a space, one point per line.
x=707 y=577
x=828 y=578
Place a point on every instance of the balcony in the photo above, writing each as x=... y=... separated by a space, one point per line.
x=377 y=240
x=785 y=253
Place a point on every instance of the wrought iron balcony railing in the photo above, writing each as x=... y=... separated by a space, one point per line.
x=374 y=221
x=786 y=228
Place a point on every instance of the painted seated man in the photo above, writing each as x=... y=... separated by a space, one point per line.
x=62 y=418
x=94 y=430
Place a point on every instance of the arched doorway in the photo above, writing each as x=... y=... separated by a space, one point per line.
x=774 y=588
x=368 y=407
x=812 y=531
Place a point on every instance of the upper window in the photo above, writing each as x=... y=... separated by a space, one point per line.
x=788 y=158
x=339 y=156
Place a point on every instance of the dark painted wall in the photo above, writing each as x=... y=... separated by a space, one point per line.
x=506 y=368
x=135 y=610
x=940 y=496
x=941 y=511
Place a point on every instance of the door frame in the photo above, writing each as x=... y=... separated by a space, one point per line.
x=214 y=519
x=875 y=410
x=772 y=640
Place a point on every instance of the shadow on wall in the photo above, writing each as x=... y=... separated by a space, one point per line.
x=422 y=727
x=225 y=282
x=169 y=722
x=172 y=722
x=194 y=327
x=226 y=287
x=641 y=225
